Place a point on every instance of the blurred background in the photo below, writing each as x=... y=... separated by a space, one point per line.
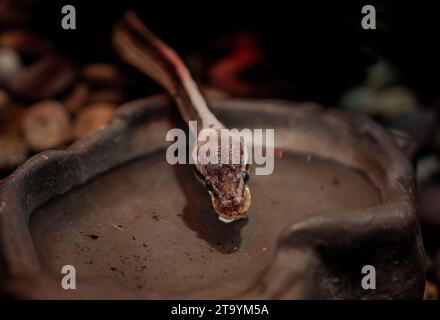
x=58 y=85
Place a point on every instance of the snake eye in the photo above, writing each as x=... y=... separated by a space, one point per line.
x=208 y=185
x=245 y=177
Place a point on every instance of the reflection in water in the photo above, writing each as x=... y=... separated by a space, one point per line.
x=200 y=217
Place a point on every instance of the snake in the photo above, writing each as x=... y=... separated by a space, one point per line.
x=225 y=181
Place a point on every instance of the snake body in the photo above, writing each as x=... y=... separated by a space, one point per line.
x=226 y=181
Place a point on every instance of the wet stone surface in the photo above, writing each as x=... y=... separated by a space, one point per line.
x=149 y=225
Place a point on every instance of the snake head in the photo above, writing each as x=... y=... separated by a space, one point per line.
x=227 y=186
x=225 y=175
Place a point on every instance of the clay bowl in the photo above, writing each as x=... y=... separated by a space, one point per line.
x=133 y=226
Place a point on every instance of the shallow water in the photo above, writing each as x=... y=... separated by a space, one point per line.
x=149 y=226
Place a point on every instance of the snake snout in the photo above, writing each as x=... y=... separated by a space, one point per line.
x=231 y=200
x=225 y=203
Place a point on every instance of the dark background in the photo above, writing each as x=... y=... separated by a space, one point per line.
x=318 y=46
